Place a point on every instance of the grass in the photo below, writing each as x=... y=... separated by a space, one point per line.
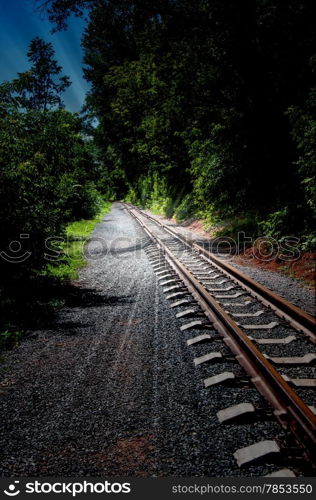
x=36 y=307
x=72 y=249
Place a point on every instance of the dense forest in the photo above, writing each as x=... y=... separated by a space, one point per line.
x=203 y=108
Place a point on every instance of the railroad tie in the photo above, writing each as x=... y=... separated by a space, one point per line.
x=200 y=338
x=246 y=315
x=217 y=282
x=170 y=288
x=192 y=324
x=221 y=378
x=285 y=340
x=168 y=282
x=211 y=277
x=166 y=276
x=176 y=294
x=207 y=275
x=181 y=302
x=211 y=356
x=158 y=261
x=256 y=452
x=309 y=383
x=281 y=473
x=235 y=304
x=159 y=264
x=307 y=359
x=235 y=412
x=187 y=312
x=234 y=296
x=231 y=287
x=267 y=326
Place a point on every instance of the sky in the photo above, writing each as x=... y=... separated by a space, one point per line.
x=19 y=24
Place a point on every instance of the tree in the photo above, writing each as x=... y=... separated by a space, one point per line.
x=202 y=91
x=47 y=169
x=59 y=10
x=40 y=87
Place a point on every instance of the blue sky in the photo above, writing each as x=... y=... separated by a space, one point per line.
x=19 y=24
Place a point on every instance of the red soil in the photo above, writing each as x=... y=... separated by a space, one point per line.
x=302 y=268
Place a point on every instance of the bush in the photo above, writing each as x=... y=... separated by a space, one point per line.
x=284 y=222
x=247 y=225
x=9 y=338
x=303 y=123
x=185 y=209
x=152 y=192
x=45 y=172
x=309 y=243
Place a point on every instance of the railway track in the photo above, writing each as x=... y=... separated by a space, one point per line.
x=271 y=339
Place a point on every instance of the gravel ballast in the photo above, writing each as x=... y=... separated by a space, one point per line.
x=111 y=389
x=290 y=288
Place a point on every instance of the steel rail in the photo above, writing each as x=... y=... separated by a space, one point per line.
x=298 y=319
x=292 y=413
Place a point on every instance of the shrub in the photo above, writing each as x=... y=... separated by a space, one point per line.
x=185 y=209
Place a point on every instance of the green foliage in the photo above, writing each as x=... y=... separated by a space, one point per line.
x=276 y=224
x=9 y=338
x=288 y=221
x=201 y=94
x=208 y=177
x=309 y=243
x=152 y=192
x=48 y=177
x=304 y=134
x=83 y=228
x=247 y=224
x=72 y=248
x=185 y=209
x=38 y=88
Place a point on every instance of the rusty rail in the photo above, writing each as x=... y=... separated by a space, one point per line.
x=292 y=413
x=299 y=319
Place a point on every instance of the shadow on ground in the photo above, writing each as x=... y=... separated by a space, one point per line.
x=35 y=305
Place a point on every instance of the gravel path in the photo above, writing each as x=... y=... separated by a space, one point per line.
x=111 y=389
x=291 y=289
